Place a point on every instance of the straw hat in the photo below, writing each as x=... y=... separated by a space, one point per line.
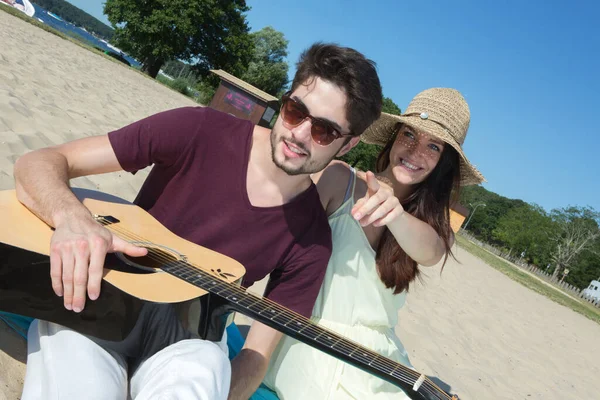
x=440 y=112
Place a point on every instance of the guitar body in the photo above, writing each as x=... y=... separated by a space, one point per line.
x=129 y=284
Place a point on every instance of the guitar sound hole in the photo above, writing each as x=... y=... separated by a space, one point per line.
x=151 y=262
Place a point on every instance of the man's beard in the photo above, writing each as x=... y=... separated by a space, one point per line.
x=310 y=166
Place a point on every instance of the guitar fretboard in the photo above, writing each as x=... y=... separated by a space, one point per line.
x=303 y=329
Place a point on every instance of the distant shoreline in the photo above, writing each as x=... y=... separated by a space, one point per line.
x=69 y=13
x=33 y=21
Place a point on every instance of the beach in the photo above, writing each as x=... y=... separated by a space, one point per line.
x=473 y=328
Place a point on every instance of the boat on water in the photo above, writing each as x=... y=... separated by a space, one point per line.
x=54 y=16
x=110 y=46
x=21 y=5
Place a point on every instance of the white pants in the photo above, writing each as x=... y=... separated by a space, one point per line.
x=63 y=364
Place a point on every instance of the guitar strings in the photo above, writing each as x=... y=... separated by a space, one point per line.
x=428 y=386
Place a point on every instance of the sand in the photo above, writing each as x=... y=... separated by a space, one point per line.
x=481 y=333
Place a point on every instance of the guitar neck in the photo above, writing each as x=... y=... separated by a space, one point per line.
x=415 y=385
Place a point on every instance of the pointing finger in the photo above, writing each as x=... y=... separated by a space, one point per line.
x=372 y=183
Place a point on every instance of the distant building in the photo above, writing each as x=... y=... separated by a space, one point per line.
x=593 y=290
x=239 y=98
x=458 y=214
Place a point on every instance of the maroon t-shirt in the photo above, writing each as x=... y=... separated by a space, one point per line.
x=197 y=189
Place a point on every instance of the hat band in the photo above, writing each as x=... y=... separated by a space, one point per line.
x=425 y=116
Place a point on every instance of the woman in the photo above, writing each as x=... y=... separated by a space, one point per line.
x=384 y=225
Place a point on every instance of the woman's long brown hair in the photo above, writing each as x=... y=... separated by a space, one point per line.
x=429 y=202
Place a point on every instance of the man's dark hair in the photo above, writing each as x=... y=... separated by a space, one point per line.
x=351 y=71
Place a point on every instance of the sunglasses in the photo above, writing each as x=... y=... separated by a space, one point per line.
x=293 y=114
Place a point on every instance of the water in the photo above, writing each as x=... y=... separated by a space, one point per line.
x=66 y=27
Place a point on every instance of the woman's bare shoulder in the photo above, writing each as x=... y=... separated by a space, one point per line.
x=335 y=170
x=331 y=184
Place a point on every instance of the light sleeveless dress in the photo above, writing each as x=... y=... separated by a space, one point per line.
x=354 y=303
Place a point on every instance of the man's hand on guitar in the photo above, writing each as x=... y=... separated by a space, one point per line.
x=77 y=251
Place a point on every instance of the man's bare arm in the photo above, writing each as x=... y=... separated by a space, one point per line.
x=249 y=367
x=78 y=244
x=42 y=176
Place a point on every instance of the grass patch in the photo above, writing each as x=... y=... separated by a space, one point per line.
x=529 y=281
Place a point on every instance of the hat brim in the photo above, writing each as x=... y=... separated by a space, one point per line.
x=381 y=130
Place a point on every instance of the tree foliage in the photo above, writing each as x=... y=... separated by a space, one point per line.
x=363 y=156
x=390 y=107
x=268 y=69
x=577 y=231
x=213 y=33
x=526 y=229
x=562 y=238
x=586 y=268
x=485 y=219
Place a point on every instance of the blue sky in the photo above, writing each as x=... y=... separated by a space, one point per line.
x=528 y=69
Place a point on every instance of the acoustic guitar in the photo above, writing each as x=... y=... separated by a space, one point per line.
x=201 y=285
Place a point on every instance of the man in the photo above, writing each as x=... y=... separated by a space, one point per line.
x=220 y=182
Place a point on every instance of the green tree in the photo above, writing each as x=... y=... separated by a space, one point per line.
x=586 y=268
x=526 y=228
x=485 y=220
x=364 y=156
x=214 y=33
x=577 y=231
x=390 y=107
x=268 y=69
